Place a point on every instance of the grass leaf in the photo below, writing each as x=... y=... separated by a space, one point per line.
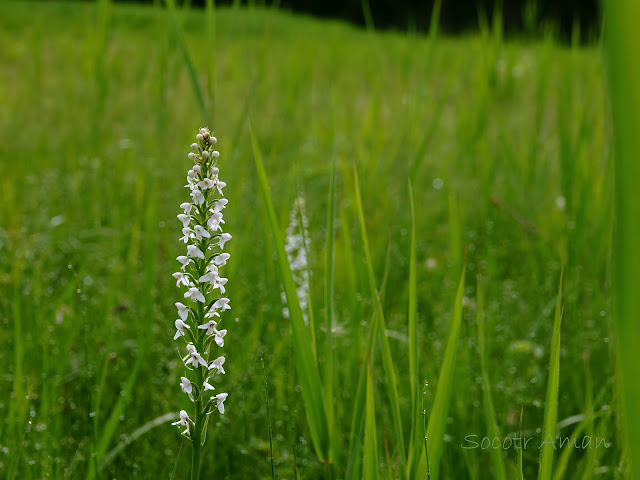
x=440 y=408
x=551 y=403
x=305 y=363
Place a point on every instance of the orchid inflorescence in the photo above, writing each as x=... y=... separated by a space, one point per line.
x=297 y=248
x=200 y=316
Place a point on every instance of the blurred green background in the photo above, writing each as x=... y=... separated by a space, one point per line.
x=508 y=146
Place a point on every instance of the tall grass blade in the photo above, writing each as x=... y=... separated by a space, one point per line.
x=370 y=464
x=623 y=42
x=415 y=443
x=328 y=292
x=387 y=361
x=519 y=472
x=551 y=403
x=306 y=364
x=497 y=461
x=440 y=408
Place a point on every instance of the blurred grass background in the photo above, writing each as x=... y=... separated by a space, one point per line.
x=508 y=147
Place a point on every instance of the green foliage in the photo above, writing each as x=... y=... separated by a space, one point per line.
x=505 y=156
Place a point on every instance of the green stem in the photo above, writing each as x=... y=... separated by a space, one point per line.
x=195 y=464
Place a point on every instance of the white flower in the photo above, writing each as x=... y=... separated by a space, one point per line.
x=195 y=359
x=224 y=238
x=180 y=326
x=184 y=260
x=207 y=386
x=215 y=153
x=184 y=421
x=185 y=219
x=222 y=304
x=194 y=251
x=192 y=156
x=194 y=294
x=183 y=311
x=220 y=337
x=221 y=259
x=205 y=184
x=220 y=398
x=220 y=282
x=186 y=386
x=217 y=365
x=191 y=348
x=208 y=277
x=214 y=222
x=220 y=185
x=201 y=232
x=186 y=206
x=210 y=326
x=181 y=277
x=186 y=232
x=195 y=146
x=220 y=204
x=198 y=197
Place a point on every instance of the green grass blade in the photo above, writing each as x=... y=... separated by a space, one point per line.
x=370 y=463
x=387 y=361
x=306 y=365
x=497 y=461
x=623 y=43
x=551 y=403
x=328 y=292
x=415 y=442
x=358 y=417
x=440 y=408
x=519 y=473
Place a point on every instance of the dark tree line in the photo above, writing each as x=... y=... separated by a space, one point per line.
x=527 y=17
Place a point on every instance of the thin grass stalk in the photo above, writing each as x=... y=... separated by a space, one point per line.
x=328 y=290
x=266 y=396
x=415 y=446
x=440 y=408
x=370 y=463
x=380 y=325
x=520 y=448
x=499 y=472
x=547 y=449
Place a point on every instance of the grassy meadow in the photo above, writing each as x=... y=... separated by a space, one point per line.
x=449 y=185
